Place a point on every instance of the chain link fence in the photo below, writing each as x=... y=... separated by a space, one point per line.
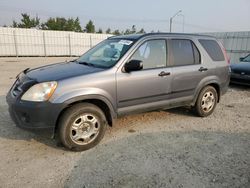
x=33 y=42
x=237 y=44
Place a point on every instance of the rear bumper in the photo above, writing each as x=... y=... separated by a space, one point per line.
x=33 y=115
x=224 y=86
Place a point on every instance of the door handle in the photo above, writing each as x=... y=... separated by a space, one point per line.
x=163 y=73
x=202 y=69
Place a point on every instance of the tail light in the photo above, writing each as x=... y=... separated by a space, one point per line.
x=225 y=53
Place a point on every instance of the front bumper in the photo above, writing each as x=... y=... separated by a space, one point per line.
x=33 y=115
x=240 y=79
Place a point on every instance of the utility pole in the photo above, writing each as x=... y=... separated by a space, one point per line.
x=171 y=19
x=183 y=21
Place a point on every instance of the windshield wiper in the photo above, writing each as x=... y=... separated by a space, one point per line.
x=86 y=63
x=68 y=61
x=91 y=64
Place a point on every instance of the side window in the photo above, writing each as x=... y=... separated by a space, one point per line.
x=184 y=52
x=213 y=49
x=153 y=54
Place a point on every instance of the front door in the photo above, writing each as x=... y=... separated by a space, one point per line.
x=148 y=85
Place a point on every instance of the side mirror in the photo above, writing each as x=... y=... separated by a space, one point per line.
x=133 y=65
x=242 y=58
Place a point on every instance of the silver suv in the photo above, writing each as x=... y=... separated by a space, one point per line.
x=120 y=76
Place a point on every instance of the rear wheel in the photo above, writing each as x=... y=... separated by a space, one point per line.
x=206 y=101
x=82 y=127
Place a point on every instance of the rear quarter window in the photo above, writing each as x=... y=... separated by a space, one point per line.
x=213 y=49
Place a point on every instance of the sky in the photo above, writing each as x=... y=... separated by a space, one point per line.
x=197 y=15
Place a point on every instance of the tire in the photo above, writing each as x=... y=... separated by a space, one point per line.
x=206 y=101
x=82 y=127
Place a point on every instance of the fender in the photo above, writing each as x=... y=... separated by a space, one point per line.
x=204 y=82
x=98 y=97
x=87 y=94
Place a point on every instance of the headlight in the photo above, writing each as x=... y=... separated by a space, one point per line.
x=40 y=92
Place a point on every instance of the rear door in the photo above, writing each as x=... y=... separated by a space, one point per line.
x=187 y=70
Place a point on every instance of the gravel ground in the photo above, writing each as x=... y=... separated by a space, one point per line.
x=171 y=148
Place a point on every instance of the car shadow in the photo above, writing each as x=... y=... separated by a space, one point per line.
x=9 y=130
x=239 y=87
x=184 y=111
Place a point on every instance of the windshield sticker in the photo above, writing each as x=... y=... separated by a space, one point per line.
x=125 y=42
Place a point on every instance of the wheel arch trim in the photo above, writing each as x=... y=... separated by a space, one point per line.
x=83 y=98
x=204 y=84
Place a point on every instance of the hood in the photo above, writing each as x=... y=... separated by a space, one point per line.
x=60 y=71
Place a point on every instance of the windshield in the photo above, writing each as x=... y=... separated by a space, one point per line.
x=106 y=54
x=246 y=59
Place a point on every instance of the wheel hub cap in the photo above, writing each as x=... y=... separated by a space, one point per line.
x=208 y=101
x=84 y=129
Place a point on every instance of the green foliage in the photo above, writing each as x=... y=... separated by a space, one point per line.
x=90 y=27
x=100 y=31
x=70 y=24
x=27 y=22
x=54 y=24
x=14 y=24
x=61 y=24
x=127 y=32
x=142 y=31
x=133 y=31
x=108 y=31
x=116 y=32
x=73 y=25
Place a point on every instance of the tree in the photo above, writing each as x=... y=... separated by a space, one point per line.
x=130 y=31
x=27 y=22
x=73 y=25
x=57 y=23
x=116 y=32
x=142 y=31
x=90 y=27
x=99 y=30
x=61 y=24
x=14 y=24
x=108 y=31
x=127 y=32
x=133 y=29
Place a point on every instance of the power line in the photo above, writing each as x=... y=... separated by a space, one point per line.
x=106 y=19
x=199 y=26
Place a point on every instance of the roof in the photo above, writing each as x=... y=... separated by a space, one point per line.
x=131 y=36
x=138 y=36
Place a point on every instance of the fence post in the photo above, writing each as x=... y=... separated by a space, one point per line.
x=70 y=53
x=90 y=41
x=15 y=42
x=44 y=45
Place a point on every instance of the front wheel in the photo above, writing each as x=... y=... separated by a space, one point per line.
x=82 y=127
x=206 y=101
